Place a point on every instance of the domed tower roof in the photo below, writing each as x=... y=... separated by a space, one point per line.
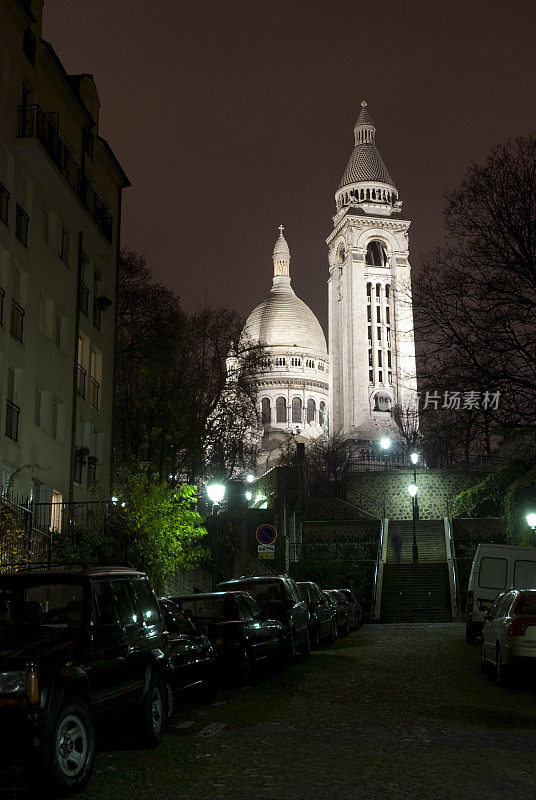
x=365 y=164
x=283 y=320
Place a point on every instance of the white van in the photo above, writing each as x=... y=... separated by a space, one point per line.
x=496 y=568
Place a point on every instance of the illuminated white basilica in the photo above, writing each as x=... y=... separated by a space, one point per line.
x=302 y=390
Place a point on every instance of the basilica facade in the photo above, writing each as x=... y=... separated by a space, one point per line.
x=306 y=390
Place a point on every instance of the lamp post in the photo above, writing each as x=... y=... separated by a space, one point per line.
x=385 y=444
x=412 y=489
x=216 y=493
x=414 y=458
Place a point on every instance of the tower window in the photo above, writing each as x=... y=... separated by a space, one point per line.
x=387 y=291
x=389 y=358
x=371 y=375
x=369 y=314
x=311 y=410
x=322 y=413
x=266 y=411
x=370 y=333
x=370 y=358
x=388 y=315
x=295 y=362
x=378 y=314
x=379 y=331
x=376 y=254
x=369 y=291
x=379 y=358
x=280 y=410
x=297 y=410
x=280 y=361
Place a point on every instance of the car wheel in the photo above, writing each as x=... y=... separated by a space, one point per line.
x=483 y=662
x=244 y=666
x=470 y=634
x=151 y=715
x=305 y=649
x=66 y=759
x=292 y=648
x=501 y=670
x=332 y=637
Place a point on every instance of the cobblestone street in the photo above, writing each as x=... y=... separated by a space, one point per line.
x=393 y=711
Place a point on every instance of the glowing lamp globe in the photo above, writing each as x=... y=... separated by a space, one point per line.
x=414 y=458
x=216 y=492
x=412 y=489
x=531 y=520
x=385 y=443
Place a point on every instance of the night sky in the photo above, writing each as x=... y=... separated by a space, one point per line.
x=233 y=116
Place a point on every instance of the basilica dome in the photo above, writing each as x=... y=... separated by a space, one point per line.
x=283 y=320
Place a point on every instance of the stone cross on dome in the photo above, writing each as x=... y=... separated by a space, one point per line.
x=281 y=229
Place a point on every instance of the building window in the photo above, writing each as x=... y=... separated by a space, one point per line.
x=388 y=315
x=321 y=366
x=94 y=393
x=297 y=410
x=370 y=357
x=387 y=291
x=369 y=292
x=83 y=298
x=295 y=362
x=4 y=204
x=379 y=333
x=17 y=321
x=322 y=414
x=81 y=374
x=371 y=376
x=21 y=225
x=12 y=420
x=280 y=410
x=376 y=254
x=379 y=358
x=390 y=377
x=64 y=246
x=266 y=411
x=370 y=333
x=378 y=292
x=389 y=359
x=378 y=313
x=309 y=363
x=39 y=407
x=369 y=314
x=280 y=362
x=79 y=463
x=91 y=471
x=311 y=410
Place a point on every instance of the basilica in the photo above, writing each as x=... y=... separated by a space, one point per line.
x=305 y=387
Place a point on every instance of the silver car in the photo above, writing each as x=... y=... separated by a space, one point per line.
x=509 y=634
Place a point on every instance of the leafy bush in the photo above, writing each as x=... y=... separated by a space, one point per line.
x=487 y=498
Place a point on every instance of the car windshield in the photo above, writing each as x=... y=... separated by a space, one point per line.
x=55 y=605
x=206 y=608
x=265 y=593
x=526 y=604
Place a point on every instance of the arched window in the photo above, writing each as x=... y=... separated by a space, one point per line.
x=376 y=254
x=311 y=410
x=266 y=411
x=297 y=410
x=322 y=414
x=382 y=402
x=280 y=410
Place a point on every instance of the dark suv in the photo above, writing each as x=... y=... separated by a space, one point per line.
x=78 y=645
x=279 y=598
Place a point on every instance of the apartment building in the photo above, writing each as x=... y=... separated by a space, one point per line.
x=60 y=214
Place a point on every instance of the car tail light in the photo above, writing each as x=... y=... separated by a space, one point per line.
x=470 y=599
x=519 y=626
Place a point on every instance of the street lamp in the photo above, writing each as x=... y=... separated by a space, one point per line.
x=531 y=521
x=385 y=444
x=414 y=458
x=412 y=489
x=250 y=478
x=216 y=493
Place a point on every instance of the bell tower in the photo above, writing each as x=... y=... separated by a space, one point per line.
x=371 y=343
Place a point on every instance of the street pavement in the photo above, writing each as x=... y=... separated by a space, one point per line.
x=392 y=711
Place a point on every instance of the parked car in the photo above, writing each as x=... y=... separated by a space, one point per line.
x=279 y=598
x=342 y=611
x=322 y=621
x=192 y=659
x=240 y=633
x=509 y=634
x=355 y=610
x=496 y=568
x=78 y=645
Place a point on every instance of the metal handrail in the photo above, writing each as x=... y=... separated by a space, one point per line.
x=379 y=557
x=452 y=553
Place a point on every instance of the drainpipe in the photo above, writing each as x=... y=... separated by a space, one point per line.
x=75 y=366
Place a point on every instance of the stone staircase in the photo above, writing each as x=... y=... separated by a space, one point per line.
x=416 y=592
x=430 y=535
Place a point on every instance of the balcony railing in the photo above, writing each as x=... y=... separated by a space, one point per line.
x=94 y=393
x=83 y=298
x=4 y=204
x=21 y=225
x=81 y=380
x=33 y=122
x=17 y=321
x=12 y=420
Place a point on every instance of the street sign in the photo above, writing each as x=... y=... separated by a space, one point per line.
x=266 y=534
x=266 y=554
x=266 y=548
